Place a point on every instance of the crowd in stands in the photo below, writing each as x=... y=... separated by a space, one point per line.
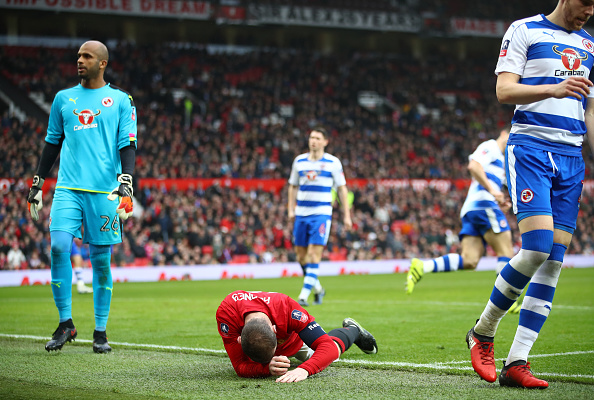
x=502 y=10
x=238 y=125
x=205 y=115
x=488 y=10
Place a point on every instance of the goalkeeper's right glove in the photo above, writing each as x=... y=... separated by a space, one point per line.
x=124 y=192
x=35 y=197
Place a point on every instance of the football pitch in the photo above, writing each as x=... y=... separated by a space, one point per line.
x=166 y=346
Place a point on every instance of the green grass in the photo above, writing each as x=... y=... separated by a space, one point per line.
x=413 y=333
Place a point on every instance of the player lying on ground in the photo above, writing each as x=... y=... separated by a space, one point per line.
x=261 y=330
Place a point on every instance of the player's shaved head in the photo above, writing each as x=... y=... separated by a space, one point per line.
x=258 y=340
x=98 y=48
x=92 y=61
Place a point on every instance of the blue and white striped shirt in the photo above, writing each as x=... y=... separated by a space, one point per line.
x=544 y=53
x=489 y=155
x=316 y=180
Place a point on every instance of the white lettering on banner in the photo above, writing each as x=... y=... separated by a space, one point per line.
x=337 y=18
x=157 y=8
x=441 y=185
x=478 y=27
x=254 y=271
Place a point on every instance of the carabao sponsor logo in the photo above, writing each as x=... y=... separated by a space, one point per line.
x=86 y=118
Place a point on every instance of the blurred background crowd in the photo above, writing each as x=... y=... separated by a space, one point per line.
x=246 y=114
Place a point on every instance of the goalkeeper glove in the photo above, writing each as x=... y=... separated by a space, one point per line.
x=35 y=197
x=124 y=192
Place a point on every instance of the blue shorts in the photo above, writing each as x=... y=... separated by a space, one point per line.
x=479 y=222
x=544 y=183
x=75 y=250
x=73 y=209
x=312 y=229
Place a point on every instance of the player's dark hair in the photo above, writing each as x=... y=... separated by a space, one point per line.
x=258 y=340
x=320 y=129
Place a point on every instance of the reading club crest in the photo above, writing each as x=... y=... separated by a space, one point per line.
x=588 y=45
x=107 y=102
x=526 y=196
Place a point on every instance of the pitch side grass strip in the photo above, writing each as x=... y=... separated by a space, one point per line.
x=437 y=366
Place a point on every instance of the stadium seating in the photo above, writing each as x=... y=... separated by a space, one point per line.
x=237 y=130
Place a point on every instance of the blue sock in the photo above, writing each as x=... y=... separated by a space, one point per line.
x=537 y=304
x=102 y=283
x=61 y=272
x=540 y=293
x=536 y=246
x=62 y=284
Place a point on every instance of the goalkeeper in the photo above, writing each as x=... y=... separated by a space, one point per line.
x=260 y=330
x=92 y=126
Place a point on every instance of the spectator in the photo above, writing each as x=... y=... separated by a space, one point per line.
x=15 y=257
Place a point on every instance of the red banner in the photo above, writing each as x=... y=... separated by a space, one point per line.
x=276 y=185
x=187 y=9
x=478 y=27
x=270 y=185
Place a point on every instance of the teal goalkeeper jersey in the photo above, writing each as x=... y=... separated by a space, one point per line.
x=93 y=125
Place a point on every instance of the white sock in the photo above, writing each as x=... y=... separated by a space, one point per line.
x=428 y=266
x=78 y=273
x=304 y=294
x=526 y=262
x=317 y=289
x=522 y=345
x=501 y=263
x=533 y=310
x=449 y=262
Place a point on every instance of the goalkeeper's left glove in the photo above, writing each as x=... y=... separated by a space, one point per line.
x=124 y=192
x=35 y=197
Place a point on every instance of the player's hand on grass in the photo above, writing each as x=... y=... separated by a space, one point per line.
x=279 y=365
x=124 y=193
x=296 y=375
x=35 y=197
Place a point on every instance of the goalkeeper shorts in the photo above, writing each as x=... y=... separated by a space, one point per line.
x=76 y=209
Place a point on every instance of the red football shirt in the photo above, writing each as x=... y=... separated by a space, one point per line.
x=290 y=320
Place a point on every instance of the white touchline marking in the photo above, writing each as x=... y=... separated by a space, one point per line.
x=569 y=353
x=449 y=365
x=443 y=366
x=141 y=345
x=453 y=304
